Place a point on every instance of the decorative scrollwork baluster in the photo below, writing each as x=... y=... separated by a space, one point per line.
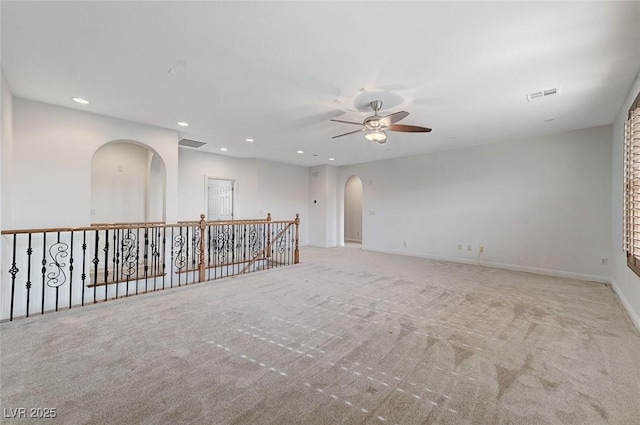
x=13 y=271
x=255 y=241
x=57 y=252
x=180 y=257
x=128 y=249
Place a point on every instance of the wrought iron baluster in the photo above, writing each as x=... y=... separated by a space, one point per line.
x=171 y=276
x=28 y=285
x=209 y=253
x=128 y=246
x=146 y=259
x=180 y=261
x=106 y=262
x=71 y=272
x=57 y=286
x=291 y=240
x=114 y=269
x=164 y=255
x=186 y=264
x=266 y=246
x=137 y=263
x=154 y=257
x=44 y=267
x=13 y=271
x=244 y=244
x=96 y=260
x=116 y=259
x=57 y=276
x=227 y=247
x=84 y=261
x=214 y=253
x=186 y=270
x=195 y=245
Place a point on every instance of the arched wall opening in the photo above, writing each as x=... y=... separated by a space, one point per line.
x=128 y=181
x=353 y=210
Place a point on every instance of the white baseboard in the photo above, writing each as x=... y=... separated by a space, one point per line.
x=353 y=240
x=514 y=267
x=626 y=304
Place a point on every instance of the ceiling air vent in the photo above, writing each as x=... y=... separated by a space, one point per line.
x=541 y=94
x=190 y=143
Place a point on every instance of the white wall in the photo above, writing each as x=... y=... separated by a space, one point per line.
x=53 y=147
x=353 y=210
x=323 y=206
x=540 y=205
x=625 y=282
x=261 y=187
x=283 y=191
x=6 y=150
x=119 y=180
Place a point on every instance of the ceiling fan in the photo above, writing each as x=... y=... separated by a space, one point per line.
x=374 y=127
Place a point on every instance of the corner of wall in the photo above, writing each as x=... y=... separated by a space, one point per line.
x=635 y=319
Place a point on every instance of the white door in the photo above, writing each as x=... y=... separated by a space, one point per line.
x=219 y=199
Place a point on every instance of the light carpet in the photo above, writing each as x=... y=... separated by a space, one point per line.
x=344 y=337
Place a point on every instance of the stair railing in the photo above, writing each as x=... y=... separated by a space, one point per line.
x=56 y=268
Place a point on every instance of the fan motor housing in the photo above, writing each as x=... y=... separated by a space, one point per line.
x=372 y=122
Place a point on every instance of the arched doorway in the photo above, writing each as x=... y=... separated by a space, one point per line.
x=353 y=210
x=127 y=184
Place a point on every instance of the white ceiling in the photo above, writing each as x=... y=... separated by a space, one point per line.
x=277 y=71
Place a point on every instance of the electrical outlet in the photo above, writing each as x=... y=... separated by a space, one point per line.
x=469 y=248
x=481 y=249
x=93 y=211
x=604 y=262
x=459 y=247
x=372 y=212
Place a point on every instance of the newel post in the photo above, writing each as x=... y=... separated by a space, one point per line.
x=201 y=265
x=296 y=253
x=268 y=235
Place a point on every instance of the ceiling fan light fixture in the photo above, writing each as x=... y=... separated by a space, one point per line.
x=376 y=135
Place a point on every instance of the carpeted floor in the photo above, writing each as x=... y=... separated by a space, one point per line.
x=345 y=337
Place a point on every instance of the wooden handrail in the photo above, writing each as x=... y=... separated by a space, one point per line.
x=127 y=223
x=102 y=226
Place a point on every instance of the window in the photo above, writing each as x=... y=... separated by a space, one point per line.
x=631 y=217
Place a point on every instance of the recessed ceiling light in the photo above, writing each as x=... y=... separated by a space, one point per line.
x=249 y=140
x=183 y=124
x=549 y=120
x=332 y=159
x=451 y=138
x=80 y=100
x=300 y=151
x=224 y=149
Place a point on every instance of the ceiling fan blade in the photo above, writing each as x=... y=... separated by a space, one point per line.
x=346 y=134
x=347 y=122
x=393 y=118
x=408 y=128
